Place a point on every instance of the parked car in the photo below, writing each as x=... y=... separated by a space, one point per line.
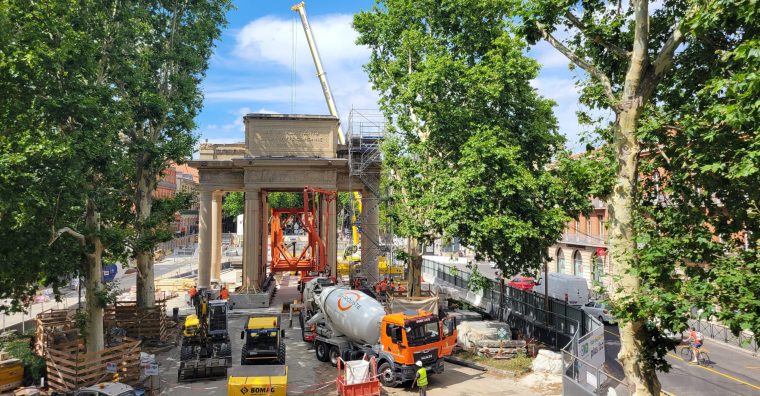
x=600 y=311
x=522 y=283
x=109 y=389
x=569 y=288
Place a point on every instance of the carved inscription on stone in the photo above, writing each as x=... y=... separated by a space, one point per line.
x=298 y=137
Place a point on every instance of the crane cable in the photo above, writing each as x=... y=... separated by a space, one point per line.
x=294 y=42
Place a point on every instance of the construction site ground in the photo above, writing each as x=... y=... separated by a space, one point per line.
x=308 y=376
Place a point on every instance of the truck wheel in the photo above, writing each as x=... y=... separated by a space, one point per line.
x=281 y=353
x=386 y=375
x=243 y=354
x=321 y=351
x=334 y=355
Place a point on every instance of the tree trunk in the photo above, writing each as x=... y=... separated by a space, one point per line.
x=93 y=283
x=415 y=267
x=623 y=249
x=146 y=287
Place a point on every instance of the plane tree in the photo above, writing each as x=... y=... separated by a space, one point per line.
x=677 y=77
x=472 y=146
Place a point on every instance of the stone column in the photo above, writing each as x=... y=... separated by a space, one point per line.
x=264 y=232
x=204 y=239
x=216 y=237
x=251 y=240
x=332 y=239
x=370 y=236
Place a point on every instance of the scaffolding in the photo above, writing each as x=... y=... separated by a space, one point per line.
x=366 y=130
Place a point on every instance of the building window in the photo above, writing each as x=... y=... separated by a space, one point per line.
x=598 y=268
x=560 y=261
x=577 y=263
x=577 y=226
x=600 y=218
x=589 y=231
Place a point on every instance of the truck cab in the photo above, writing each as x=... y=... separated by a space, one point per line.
x=413 y=336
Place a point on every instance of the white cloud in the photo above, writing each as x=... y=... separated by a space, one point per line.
x=270 y=39
x=267 y=44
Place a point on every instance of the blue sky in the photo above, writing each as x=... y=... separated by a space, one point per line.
x=252 y=68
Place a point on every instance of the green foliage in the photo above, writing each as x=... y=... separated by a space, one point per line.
x=281 y=200
x=472 y=140
x=477 y=281
x=59 y=137
x=21 y=348
x=234 y=204
x=696 y=212
x=700 y=219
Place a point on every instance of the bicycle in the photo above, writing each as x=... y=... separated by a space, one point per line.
x=688 y=355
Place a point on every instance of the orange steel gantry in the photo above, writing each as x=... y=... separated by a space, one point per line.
x=313 y=257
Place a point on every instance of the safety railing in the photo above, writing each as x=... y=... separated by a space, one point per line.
x=554 y=323
x=719 y=332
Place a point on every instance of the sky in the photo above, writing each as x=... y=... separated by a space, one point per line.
x=262 y=64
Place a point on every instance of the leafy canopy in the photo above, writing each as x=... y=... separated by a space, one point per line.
x=472 y=141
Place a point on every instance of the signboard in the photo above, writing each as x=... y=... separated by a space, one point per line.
x=502 y=334
x=591 y=351
x=146 y=358
x=151 y=369
x=112 y=367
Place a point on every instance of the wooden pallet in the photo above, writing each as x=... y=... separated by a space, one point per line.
x=150 y=323
x=55 y=327
x=71 y=369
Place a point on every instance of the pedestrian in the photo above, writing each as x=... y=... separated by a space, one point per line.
x=193 y=292
x=224 y=294
x=421 y=378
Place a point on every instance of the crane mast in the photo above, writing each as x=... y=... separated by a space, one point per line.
x=301 y=9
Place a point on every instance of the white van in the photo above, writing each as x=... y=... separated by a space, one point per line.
x=570 y=288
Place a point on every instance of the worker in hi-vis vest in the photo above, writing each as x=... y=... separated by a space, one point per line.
x=421 y=378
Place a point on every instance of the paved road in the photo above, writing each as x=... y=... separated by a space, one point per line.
x=731 y=372
x=70 y=297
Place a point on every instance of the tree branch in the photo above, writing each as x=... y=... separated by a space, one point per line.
x=596 y=73
x=56 y=234
x=623 y=53
x=664 y=58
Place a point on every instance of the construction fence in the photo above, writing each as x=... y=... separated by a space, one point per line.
x=551 y=322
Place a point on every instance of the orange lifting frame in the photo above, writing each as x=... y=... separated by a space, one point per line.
x=313 y=257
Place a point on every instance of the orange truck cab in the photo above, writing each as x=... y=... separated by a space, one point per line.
x=413 y=336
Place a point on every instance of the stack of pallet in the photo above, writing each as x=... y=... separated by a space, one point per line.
x=140 y=323
x=71 y=369
x=56 y=327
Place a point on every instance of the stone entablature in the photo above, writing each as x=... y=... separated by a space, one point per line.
x=221 y=152
x=289 y=135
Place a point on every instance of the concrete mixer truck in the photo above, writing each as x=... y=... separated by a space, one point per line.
x=350 y=324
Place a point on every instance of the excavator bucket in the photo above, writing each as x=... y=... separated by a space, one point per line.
x=194 y=370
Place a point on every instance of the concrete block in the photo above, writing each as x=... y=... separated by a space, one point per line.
x=249 y=300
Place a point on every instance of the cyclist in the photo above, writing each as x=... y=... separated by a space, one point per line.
x=696 y=339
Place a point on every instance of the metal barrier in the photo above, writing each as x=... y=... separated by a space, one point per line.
x=559 y=325
x=719 y=332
